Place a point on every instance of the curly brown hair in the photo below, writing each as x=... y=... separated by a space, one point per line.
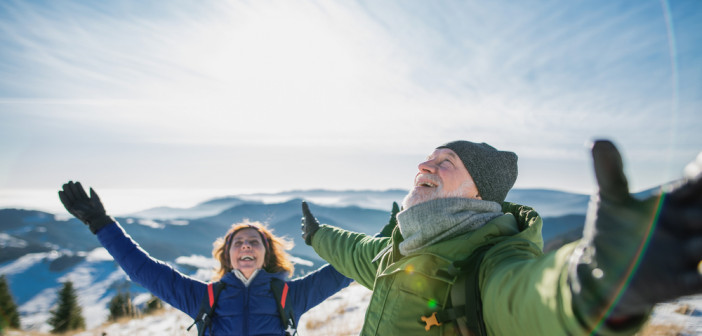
x=276 y=260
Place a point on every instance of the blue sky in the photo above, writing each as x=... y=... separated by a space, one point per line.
x=276 y=95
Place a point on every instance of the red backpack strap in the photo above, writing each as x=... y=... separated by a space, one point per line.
x=207 y=307
x=210 y=294
x=284 y=295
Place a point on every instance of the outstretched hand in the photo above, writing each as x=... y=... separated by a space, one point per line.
x=309 y=224
x=639 y=251
x=669 y=267
x=88 y=210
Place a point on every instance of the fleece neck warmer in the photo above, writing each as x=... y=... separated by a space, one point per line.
x=433 y=221
x=243 y=278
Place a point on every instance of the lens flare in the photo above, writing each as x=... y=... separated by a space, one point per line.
x=634 y=265
x=432 y=304
x=409 y=269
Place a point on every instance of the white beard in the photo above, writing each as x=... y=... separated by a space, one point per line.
x=414 y=197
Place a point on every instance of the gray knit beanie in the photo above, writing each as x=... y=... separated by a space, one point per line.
x=494 y=172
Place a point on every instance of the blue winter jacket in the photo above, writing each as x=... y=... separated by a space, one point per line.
x=240 y=310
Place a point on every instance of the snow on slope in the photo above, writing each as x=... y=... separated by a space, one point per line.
x=685 y=312
x=35 y=312
x=169 y=322
x=95 y=276
x=341 y=314
x=93 y=279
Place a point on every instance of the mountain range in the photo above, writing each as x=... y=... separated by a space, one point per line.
x=40 y=250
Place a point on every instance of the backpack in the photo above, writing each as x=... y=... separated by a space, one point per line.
x=203 y=320
x=466 y=305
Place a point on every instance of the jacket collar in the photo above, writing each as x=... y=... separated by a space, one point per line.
x=262 y=276
x=519 y=219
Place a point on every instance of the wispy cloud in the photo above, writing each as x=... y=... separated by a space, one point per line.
x=391 y=78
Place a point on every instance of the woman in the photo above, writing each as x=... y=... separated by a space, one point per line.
x=250 y=256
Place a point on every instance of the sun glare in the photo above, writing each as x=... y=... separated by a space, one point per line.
x=260 y=72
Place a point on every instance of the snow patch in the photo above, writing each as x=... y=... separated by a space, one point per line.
x=341 y=314
x=685 y=312
x=150 y=223
x=145 y=222
x=63 y=217
x=168 y=322
x=178 y=222
x=300 y=261
x=141 y=299
x=35 y=312
x=9 y=241
x=197 y=261
x=204 y=275
x=98 y=254
x=25 y=262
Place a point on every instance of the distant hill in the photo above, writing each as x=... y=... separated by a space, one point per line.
x=370 y=199
x=546 y=202
x=550 y=203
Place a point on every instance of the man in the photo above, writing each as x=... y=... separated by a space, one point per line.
x=607 y=282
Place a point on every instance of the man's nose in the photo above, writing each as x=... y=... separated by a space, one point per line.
x=427 y=166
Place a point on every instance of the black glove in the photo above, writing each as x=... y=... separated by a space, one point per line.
x=642 y=251
x=309 y=224
x=88 y=210
x=390 y=226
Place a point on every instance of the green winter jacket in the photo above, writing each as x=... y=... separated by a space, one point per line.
x=524 y=292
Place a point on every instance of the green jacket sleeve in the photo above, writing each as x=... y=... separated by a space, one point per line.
x=351 y=253
x=532 y=293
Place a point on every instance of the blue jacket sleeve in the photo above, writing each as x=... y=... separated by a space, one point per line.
x=162 y=280
x=315 y=287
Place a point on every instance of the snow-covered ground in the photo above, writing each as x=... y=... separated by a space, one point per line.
x=685 y=312
x=343 y=313
x=92 y=278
